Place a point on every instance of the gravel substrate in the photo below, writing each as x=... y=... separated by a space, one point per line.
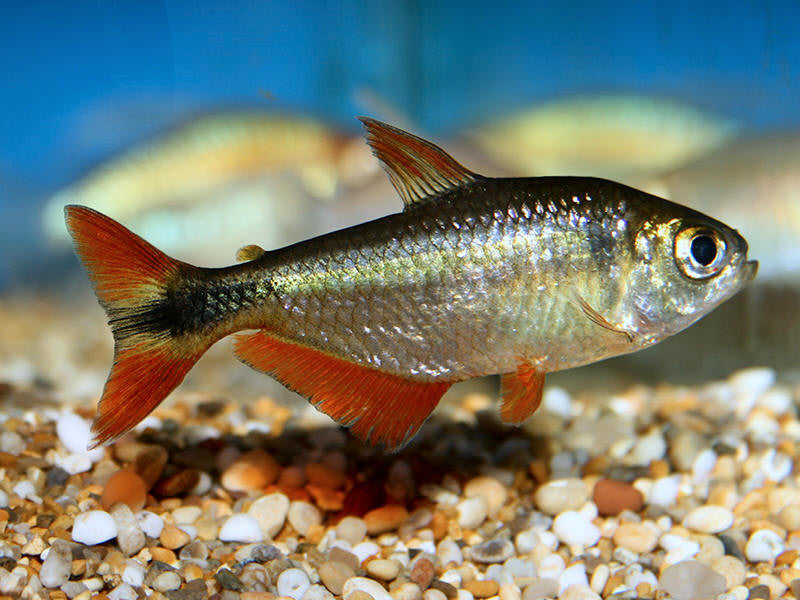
x=664 y=492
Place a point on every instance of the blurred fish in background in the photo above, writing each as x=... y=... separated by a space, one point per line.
x=615 y=136
x=270 y=174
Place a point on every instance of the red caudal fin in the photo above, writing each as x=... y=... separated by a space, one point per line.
x=380 y=409
x=521 y=392
x=131 y=278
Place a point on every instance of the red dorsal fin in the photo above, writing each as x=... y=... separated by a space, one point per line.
x=380 y=409
x=416 y=167
x=522 y=393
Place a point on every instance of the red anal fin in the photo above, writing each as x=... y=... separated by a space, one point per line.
x=140 y=379
x=380 y=409
x=416 y=167
x=522 y=393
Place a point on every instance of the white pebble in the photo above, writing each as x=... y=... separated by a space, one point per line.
x=703 y=465
x=167 y=581
x=75 y=435
x=11 y=442
x=449 y=552
x=599 y=578
x=551 y=567
x=526 y=541
x=241 y=528
x=3 y=499
x=94 y=527
x=186 y=515
x=574 y=529
x=763 y=545
x=572 y=575
x=649 y=448
x=373 y=588
x=709 y=519
x=203 y=485
x=73 y=463
x=302 y=516
x=150 y=522
x=675 y=543
x=665 y=491
x=472 y=512
x=558 y=401
x=133 y=574
x=24 y=489
x=293 y=583
x=123 y=592
x=57 y=566
x=465 y=595
x=365 y=549
x=270 y=511
x=776 y=466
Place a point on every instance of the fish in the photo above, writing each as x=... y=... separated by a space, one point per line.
x=606 y=135
x=373 y=323
x=174 y=178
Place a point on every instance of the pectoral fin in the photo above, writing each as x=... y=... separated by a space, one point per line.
x=521 y=392
x=379 y=408
x=598 y=319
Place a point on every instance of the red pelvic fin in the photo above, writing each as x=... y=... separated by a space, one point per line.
x=140 y=379
x=131 y=278
x=522 y=393
x=416 y=167
x=380 y=409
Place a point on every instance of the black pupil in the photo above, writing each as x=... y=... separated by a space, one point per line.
x=704 y=250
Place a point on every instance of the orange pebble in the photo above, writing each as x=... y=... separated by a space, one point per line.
x=124 y=486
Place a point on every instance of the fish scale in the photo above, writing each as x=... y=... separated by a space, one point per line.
x=373 y=323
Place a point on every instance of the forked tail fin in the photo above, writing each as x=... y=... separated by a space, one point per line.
x=132 y=280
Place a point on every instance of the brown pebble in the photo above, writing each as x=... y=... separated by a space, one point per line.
x=326 y=498
x=333 y=574
x=482 y=589
x=386 y=518
x=447 y=589
x=173 y=538
x=252 y=471
x=179 y=484
x=126 y=487
x=149 y=464
x=325 y=476
x=164 y=555
x=422 y=573
x=292 y=477
x=612 y=497
x=438 y=525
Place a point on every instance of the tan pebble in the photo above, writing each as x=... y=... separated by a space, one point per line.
x=494 y=492
x=599 y=578
x=644 y=589
x=658 y=469
x=510 y=591
x=126 y=487
x=381 y=568
x=325 y=476
x=578 y=592
x=252 y=471
x=385 y=518
x=352 y=530
x=789 y=575
x=333 y=574
x=149 y=464
x=616 y=580
x=636 y=537
x=612 y=497
x=207 y=528
x=711 y=548
x=561 y=495
x=433 y=595
x=315 y=533
x=786 y=557
x=192 y=571
x=775 y=585
x=789 y=517
x=257 y=596
x=172 y=537
x=337 y=554
x=438 y=525
x=482 y=589
x=406 y=591
x=359 y=595
x=422 y=573
x=163 y=554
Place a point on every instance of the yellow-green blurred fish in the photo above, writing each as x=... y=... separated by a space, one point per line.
x=606 y=136
x=374 y=323
x=214 y=154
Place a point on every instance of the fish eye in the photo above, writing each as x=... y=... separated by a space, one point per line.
x=699 y=252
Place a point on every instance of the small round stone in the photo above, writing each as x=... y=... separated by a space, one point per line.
x=422 y=573
x=789 y=517
x=574 y=529
x=352 y=530
x=433 y=594
x=270 y=511
x=241 y=528
x=293 y=583
x=561 y=495
x=252 y=471
x=130 y=536
x=709 y=519
x=763 y=545
x=173 y=537
x=151 y=523
x=167 y=581
x=407 y=591
x=333 y=574
x=93 y=527
x=690 y=580
x=636 y=537
x=57 y=566
x=472 y=512
x=612 y=497
x=482 y=589
x=303 y=516
x=449 y=552
x=492 y=551
x=539 y=589
x=490 y=489
x=366 y=585
x=665 y=491
x=386 y=518
x=731 y=568
x=126 y=487
x=381 y=568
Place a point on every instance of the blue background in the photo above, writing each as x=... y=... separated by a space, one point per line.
x=84 y=79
